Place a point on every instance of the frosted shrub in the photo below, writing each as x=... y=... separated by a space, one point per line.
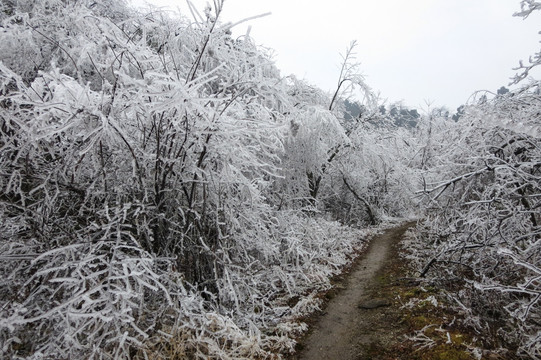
x=140 y=158
x=484 y=221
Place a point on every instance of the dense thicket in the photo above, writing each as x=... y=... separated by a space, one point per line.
x=162 y=185
x=482 y=189
x=483 y=216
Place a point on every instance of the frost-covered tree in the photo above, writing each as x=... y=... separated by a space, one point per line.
x=527 y=8
x=114 y=170
x=139 y=211
x=320 y=128
x=379 y=174
x=484 y=216
x=482 y=190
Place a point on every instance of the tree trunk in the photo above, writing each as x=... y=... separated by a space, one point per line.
x=313 y=186
x=366 y=204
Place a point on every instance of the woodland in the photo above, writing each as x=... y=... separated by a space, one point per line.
x=166 y=193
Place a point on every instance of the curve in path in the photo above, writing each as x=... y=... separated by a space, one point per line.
x=340 y=329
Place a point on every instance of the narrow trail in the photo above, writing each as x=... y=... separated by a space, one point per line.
x=348 y=324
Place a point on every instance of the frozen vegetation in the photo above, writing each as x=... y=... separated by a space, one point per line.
x=166 y=193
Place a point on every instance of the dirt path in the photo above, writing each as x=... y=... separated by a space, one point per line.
x=350 y=322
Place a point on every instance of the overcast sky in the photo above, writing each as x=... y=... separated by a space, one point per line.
x=439 y=51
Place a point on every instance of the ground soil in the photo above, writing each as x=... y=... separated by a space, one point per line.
x=358 y=317
x=368 y=314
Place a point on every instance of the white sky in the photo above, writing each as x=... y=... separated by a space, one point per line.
x=439 y=51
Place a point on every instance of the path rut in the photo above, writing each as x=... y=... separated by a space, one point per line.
x=346 y=324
